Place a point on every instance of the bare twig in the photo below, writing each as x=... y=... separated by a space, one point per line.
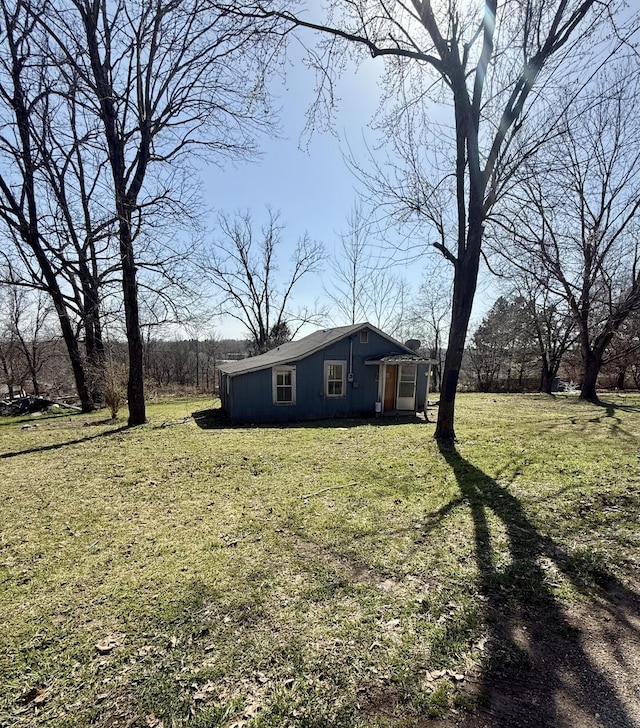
x=325 y=490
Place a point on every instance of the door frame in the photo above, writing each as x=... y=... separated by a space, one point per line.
x=412 y=407
x=382 y=387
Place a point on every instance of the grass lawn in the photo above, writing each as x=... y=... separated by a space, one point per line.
x=344 y=574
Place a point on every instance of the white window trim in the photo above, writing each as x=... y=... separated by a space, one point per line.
x=343 y=364
x=364 y=336
x=274 y=385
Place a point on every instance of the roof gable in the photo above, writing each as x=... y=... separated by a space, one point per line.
x=296 y=350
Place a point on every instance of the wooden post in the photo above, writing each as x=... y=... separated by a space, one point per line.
x=426 y=398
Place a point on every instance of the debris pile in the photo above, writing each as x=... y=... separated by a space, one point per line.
x=30 y=405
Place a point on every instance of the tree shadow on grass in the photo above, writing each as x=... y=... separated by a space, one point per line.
x=611 y=407
x=216 y=418
x=58 y=445
x=540 y=672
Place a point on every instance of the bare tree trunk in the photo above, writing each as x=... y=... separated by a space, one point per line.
x=592 y=366
x=546 y=377
x=135 y=384
x=71 y=342
x=463 y=292
x=8 y=374
x=125 y=205
x=94 y=346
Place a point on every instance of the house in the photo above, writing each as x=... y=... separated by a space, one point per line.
x=348 y=371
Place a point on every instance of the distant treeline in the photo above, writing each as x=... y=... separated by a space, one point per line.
x=191 y=366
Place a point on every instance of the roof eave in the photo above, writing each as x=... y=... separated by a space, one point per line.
x=310 y=352
x=319 y=347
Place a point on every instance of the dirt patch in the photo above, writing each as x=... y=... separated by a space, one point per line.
x=580 y=672
x=355 y=571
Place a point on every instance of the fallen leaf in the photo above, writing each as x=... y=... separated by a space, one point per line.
x=251 y=709
x=108 y=644
x=203 y=692
x=481 y=644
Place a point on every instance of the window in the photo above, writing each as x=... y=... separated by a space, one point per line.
x=364 y=337
x=284 y=385
x=334 y=378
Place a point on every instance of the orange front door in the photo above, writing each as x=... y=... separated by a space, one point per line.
x=390 y=383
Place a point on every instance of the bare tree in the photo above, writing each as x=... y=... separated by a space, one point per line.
x=64 y=227
x=154 y=80
x=575 y=219
x=429 y=316
x=387 y=298
x=245 y=271
x=363 y=285
x=157 y=78
x=79 y=227
x=23 y=86
x=9 y=346
x=29 y=320
x=490 y=62
x=348 y=271
x=552 y=325
x=623 y=354
x=27 y=340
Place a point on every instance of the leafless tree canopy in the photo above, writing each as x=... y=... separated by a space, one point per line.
x=103 y=104
x=459 y=80
x=575 y=216
x=244 y=267
x=361 y=284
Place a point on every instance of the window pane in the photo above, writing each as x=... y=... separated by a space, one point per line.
x=283 y=379
x=335 y=371
x=284 y=394
x=408 y=373
x=334 y=379
x=406 y=387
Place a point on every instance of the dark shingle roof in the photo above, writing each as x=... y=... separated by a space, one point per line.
x=296 y=350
